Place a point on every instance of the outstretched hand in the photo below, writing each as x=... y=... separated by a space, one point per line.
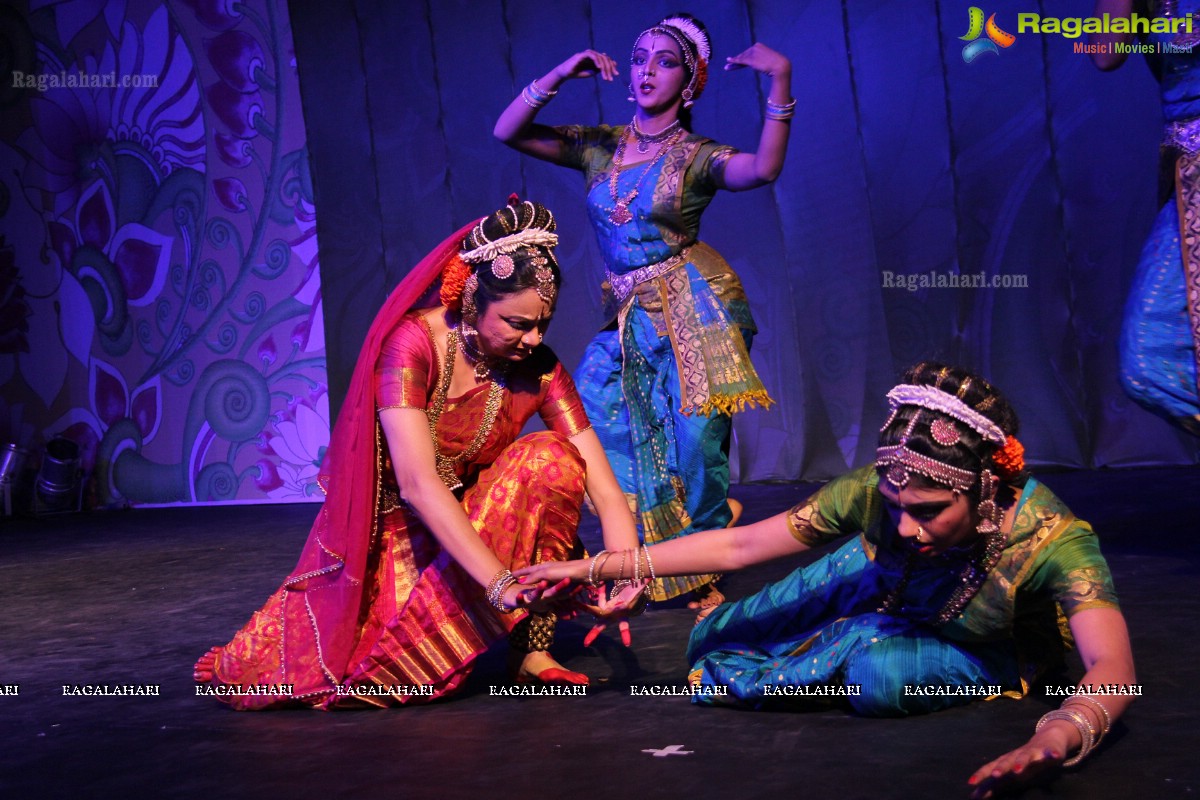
x=760 y=58
x=552 y=572
x=630 y=599
x=586 y=64
x=1035 y=759
x=539 y=597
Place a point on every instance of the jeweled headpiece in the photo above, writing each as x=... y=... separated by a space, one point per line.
x=501 y=253
x=898 y=461
x=506 y=245
x=695 y=47
x=934 y=399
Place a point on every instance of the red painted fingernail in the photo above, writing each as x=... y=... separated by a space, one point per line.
x=1019 y=768
x=522 y=579
x=972 y=780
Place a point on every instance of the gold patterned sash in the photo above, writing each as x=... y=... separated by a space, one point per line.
x=715 y=372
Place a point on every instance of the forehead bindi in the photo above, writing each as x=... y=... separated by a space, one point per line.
x=657 y=44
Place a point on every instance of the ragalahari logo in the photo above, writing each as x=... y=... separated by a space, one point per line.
x=977 y=27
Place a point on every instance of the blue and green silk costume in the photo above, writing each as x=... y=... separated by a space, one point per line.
x=660 y=383
x=820 y=626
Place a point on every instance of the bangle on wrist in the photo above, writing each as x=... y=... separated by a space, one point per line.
x=1091 y=702
x=601 y=568
x=649 y=568
x=535 y=96
x=591 y=576
x=498 y=586
x=618 y=586
x=1086 y=732
x=780 y=112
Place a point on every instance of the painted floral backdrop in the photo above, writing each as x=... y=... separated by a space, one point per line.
x=160 y=299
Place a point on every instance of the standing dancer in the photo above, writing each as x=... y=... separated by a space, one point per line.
x=1160 y=333
x=661 y=383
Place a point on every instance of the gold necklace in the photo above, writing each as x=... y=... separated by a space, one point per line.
x=644 y=140
x=484 y=366
x=446 y=464
x=620 y=213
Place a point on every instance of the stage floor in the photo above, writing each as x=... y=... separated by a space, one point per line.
x=135 y=597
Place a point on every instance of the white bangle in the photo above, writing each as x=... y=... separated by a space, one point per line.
x=649 y=568
x=591 y=576
x=1086 y=733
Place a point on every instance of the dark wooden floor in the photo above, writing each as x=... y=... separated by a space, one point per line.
x=134 y=597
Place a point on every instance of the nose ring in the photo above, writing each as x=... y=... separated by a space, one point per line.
x=921 y=535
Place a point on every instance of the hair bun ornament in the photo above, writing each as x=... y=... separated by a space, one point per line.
x=944 y=432
x=1009 y=459
x=934 y=399
x=454 y=278
x=503 y=266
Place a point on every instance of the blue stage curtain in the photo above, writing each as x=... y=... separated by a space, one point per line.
x=1026 y=164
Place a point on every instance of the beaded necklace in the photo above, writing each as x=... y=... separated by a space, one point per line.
x=969 y=581
x=644 y=140
x=483 y=366
x=620 y=213
x=446 y=464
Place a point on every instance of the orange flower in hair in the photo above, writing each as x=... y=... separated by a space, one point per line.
x=1010 y=459
x=454 y=278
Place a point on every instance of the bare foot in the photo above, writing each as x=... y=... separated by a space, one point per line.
x=540 y=667
x=708 y=597
x=206 y=666
x=704 y=612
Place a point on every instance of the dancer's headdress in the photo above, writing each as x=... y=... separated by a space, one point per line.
x=899 y=460
x=529 y=236
x=944 y=413
x=695 y=48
